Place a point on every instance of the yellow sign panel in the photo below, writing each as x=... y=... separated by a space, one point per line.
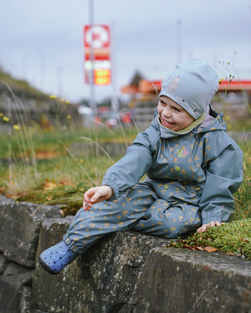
x=102 y=77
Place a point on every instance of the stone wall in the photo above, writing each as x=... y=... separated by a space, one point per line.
x=124 y=272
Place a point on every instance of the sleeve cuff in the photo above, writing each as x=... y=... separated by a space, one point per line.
x=211 y=219
x=113 y=187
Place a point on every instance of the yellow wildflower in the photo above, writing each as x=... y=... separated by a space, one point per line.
x=67 y=102
x=53 y=97
x=1 y=114
x=228 y=117
x=6 y=119
x=16 y=127
x=69 y=117
x=221 y=80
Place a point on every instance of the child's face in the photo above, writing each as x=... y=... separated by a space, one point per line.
x=172 y=115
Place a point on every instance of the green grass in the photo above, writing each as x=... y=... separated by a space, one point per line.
x=231 y=238
x=61 y=180
x=55 y=164
x=243 y=195
x=50 y=140
x=21 y=176
x=240 y=126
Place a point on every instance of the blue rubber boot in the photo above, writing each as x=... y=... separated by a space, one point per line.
x=54 y=259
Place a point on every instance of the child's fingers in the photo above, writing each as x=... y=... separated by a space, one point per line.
x=86 y=206
x=202 y=228
x=88 y=194
x=101 y=193
x=96 y=195
x=88 y=197
x=205 y=226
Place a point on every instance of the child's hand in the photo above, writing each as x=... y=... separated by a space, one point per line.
x=95 y=195
x=205 y=226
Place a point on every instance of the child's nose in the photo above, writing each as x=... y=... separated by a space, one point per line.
x=167 y=111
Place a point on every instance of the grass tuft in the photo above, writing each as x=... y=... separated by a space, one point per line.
x=231 y=238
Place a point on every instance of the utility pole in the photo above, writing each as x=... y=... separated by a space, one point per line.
x=25 y=67
x=59 y=79
x=41 y=67
x=179 y=41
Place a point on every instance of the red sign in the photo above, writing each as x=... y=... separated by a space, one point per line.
x=97 y=54
x=97 y=36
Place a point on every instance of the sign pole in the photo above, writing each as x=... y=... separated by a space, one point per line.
x=114 y=100
x=92 y=95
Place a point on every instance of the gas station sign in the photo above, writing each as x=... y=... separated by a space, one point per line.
x=97 y=51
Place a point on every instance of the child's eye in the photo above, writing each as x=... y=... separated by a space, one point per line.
x=176 y=109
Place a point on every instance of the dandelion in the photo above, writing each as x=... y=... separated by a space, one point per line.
x=67 y=102
x=228 y=117
x=6 y=119
x=16 y=127
x=62 y=100
x=53 y=97
x=1 y=114
x=81 y=161
x=69 y=117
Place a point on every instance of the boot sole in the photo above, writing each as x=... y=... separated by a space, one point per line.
x=46 y=267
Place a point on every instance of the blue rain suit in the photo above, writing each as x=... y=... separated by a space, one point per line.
x=190 y=181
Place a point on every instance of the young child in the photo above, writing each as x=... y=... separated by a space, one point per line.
x=193 y=168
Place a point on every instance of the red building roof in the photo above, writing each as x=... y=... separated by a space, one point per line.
x=148 y=86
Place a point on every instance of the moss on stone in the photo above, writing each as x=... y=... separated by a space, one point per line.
x=231 y=238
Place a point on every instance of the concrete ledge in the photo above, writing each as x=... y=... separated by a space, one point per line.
x=184 y=281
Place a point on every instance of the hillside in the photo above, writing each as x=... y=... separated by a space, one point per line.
x=16 y=84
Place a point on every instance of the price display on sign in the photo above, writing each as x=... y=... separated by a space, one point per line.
x=102 y=77
x=97 y=54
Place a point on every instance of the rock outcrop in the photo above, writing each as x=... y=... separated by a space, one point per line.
x=124 y=272
x=20 y=226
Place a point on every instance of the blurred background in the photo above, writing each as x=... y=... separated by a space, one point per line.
x=42 y=43
x=59 y=130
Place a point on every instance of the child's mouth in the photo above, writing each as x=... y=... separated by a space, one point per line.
x=167 y=124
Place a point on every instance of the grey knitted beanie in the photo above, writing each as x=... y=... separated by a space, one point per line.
x=192 y=85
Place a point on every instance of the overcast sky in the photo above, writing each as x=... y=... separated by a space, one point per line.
x=42 y=41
